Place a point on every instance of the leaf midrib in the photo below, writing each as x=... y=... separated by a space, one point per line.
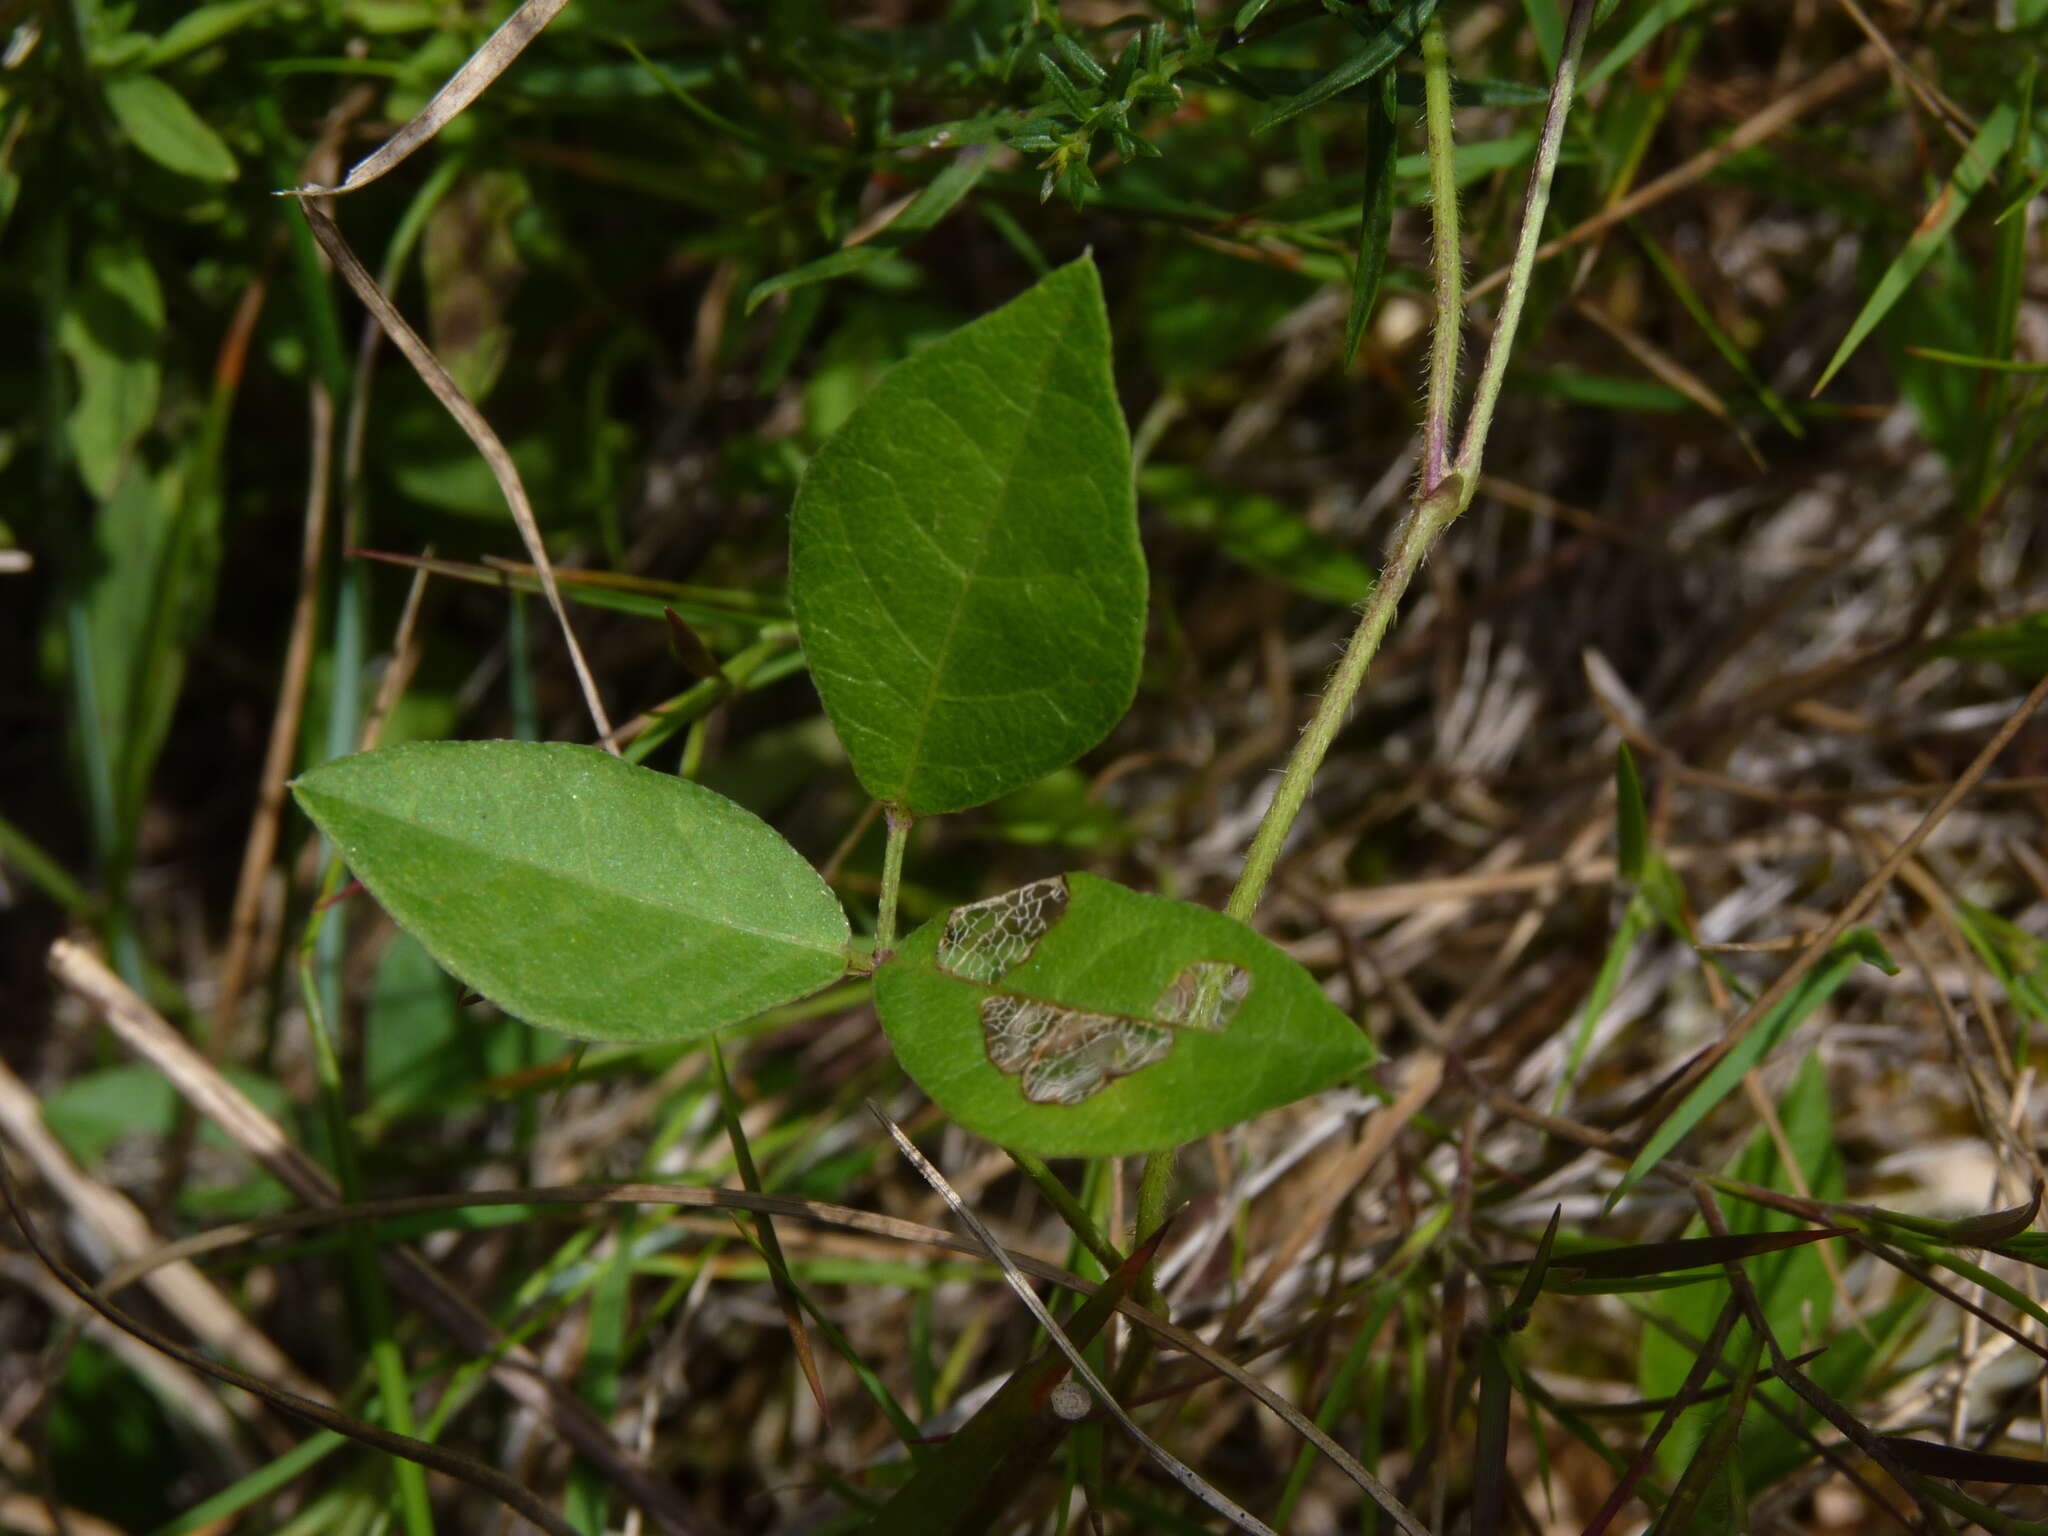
x=973 y=571
x=552 y=872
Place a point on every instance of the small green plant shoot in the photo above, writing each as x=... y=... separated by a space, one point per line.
x=970 y=593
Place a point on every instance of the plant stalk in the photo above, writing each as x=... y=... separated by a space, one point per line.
x=899 y=824
x=1448 y=259
x=1494 y=370
x=1443 y=494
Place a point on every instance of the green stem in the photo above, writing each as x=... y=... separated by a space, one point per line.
x=1448 y=259
x=373 y=1302
x=899 y=823
x=1535 y=205
x=1070 y=1210
x=1444 y=494
x=1154 y=1184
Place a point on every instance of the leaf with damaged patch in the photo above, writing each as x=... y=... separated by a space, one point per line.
x=1073 y=1017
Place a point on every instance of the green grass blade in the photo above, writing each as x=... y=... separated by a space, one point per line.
x=1376 y=214
x=1856 y=946
x=1979 y=160
x=1402 y=32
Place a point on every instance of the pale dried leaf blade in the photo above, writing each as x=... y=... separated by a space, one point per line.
x=463 y=87
x=478 y=430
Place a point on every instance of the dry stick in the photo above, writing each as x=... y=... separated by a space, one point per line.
x=818 y=1212
x=435 y=1457
x=1178 y=1470
x=183 y=1291
x=478 y=430
x=1689 y=1392
x=1337 y=1186
x=261 y=848
x=405 y=660
x=463 y=87
x=1868 y=893
x=1780 y=114
x=513 y=1367
x=1803 y=1385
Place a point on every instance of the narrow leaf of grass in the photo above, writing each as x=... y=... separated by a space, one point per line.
x=1635 y=1476
x=770 y=1245
x=588 y=1500
x=1402 y=31
x=920 y=216
x=871 y=1382
x=1339 y=1398
x=26 y=855
x=1648 y=26
x=1722 y=342
x=1631 y=815
x=1490 y=1442
x=1376 y=215
x=260 y=1484
x=1712 y=1457
x=967 y=1484
x=1937 y=1460
x=1970 y=175
x=1068 y=1209
x=372 y=1300
x=1966 y=360
x=1636 y=918
x=1992 y=1229
x=1856 y=946
x=1539 y=1269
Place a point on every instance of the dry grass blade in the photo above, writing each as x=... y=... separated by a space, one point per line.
x=764 y=1230
x=1178 y=1470
x=181 y=1289
x=261 y=848
x=1426 y=1073
x=513 y=1368
x=471 y=420
x=508 y=1491
x=1823 y=942
x=1779 y=115
x=463 y=87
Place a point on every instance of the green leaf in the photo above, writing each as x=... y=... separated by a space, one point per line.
x=2021 y=645
x=964 y=558
x=1073 y=1017
x=1792 y=1285
x=112 y=330
x=1375 y=215
x=578 y=892
x=1631 y=816
x=2017 y=958
x=203 y=26
x=1402 y=31
x=1856 y=946
x=1979 y=160
x=924 y=214
x=161 y=123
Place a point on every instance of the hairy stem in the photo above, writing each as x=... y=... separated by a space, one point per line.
x=1535 y=204
x=1444 y=492
x=1448 y=260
